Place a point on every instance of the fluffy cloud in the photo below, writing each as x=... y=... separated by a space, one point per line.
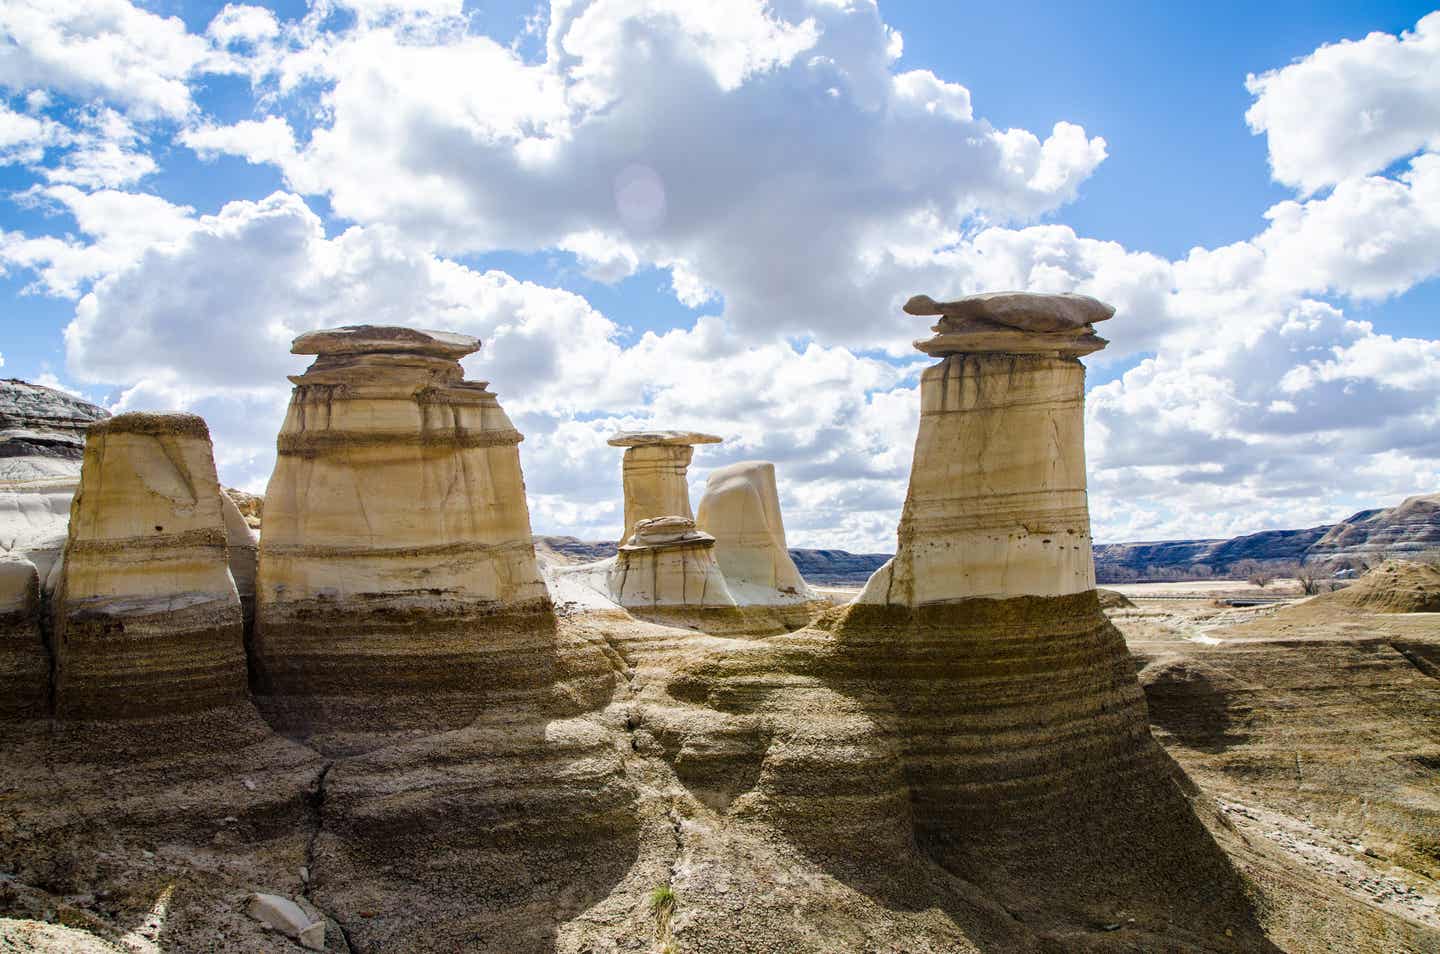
x=1351 y=108
x=100 y=48
x=768 y=155
x=789 y=175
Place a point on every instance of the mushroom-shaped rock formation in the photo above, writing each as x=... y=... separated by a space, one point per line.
x=997 y=504
x=974 y=706
x=397 y=585
x=667 y=563
x=741 y=510
x=1012 y=323
x=42 y=442
x=147 y=619
x=653 y=472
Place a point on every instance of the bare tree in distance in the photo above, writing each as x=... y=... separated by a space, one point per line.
x=1256 y=573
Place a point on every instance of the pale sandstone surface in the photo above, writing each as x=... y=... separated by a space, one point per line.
x=397 y=587
x=668 y=563
x=653 y=473
x=997 y=503
x=147 y=619
x=741 y=510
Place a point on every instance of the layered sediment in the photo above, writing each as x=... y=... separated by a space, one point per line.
x=667 y=563
x=996 y=506
x=653 y=472
x=397 y=584
x=42 y=442
x=147 y=620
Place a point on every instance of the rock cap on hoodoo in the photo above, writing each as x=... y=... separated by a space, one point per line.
x=1027 y=311
x=1012 y=323
x=667 y=531
x=385 y=339
x=673 y=438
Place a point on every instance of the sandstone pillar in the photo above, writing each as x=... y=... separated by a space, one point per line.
x=147 y=618
x=654 y=474
x=741 y=509
x=397 y=584
x=997 y=505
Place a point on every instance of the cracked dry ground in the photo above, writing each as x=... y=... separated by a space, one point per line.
x=1314 y=744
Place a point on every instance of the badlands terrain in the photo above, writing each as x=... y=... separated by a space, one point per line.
x=392 y=720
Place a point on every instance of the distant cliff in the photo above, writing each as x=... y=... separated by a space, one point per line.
x=837 y=567
x=1410 y=529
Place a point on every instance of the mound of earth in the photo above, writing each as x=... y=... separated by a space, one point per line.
x=1113 y=599
x=1396 y=586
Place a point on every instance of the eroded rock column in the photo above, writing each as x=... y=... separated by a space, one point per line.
x=997 y=505
x=741 y=509
x=654 y=474
x=397 y=584
x=146 y=616
x=667 y=563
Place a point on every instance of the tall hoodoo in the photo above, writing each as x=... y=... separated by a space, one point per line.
x=997 y=505
x=147 y=618
x=741 y=509
x=397 y=584
x=654 y=474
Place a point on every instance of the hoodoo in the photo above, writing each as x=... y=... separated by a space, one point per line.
x=667 y=563
x=397 y=585
x=654 y=474
x=997 y=504
x=147 y=618
x=741 y=510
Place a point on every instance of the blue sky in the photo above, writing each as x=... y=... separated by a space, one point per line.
x=1231 y=396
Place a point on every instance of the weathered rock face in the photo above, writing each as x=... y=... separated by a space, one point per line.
x=977 y=710
x=397 y=584
x=668 y=563
x=42 y=440
x=147 y=618
x=654 y=473
x=1410 y=528
x=741 y=510
x=997 y=505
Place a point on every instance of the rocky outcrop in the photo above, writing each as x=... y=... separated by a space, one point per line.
x=42 y=441
x=147 y=620
x=397 y=584
x=653 y=473
x=1395 y=586
x=251 y=506
x=668 y=564
x=1411 y=528
x=996 y=505
x=741 y=510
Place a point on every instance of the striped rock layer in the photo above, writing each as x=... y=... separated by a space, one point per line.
x=997 y=504
x=42 y=440
x=397 y=585
x=147 y=620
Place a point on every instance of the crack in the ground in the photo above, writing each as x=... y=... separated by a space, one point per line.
x=315 y=803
